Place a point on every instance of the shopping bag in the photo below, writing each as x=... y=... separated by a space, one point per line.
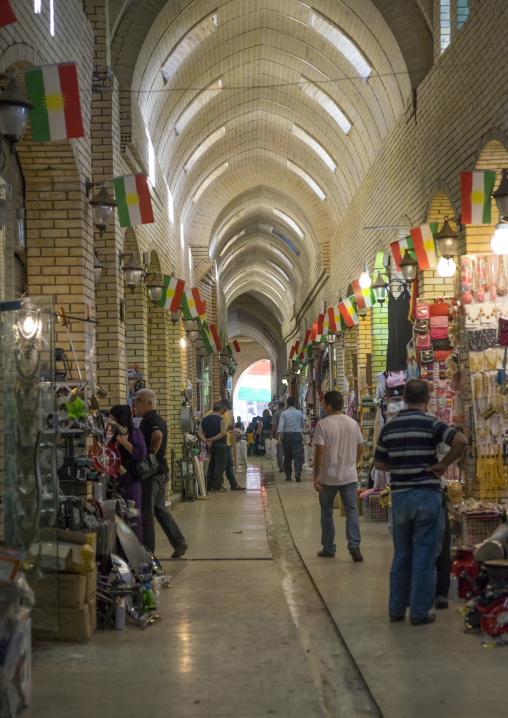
x=271 y=449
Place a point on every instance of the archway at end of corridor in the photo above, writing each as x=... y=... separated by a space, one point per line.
x=252 y=392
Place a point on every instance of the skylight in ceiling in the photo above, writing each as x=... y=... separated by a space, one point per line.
x=285 y=218
x=280 y=254
x=298 y=132
x=208 y=181
x=210 y=140
x=184 y=48
x=326 y=102
x=307 y=178
x=284 y=239
x=276 y=266
x=231 y=241
x=195 y=106
x=277 y=281
x=342 y=43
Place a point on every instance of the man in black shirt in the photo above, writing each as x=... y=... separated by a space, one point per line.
x=153 y=489
x=213 y=430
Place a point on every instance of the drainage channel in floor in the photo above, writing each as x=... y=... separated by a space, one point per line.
x=341 y=687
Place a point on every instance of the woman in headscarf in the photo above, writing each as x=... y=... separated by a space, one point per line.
x=132 y=449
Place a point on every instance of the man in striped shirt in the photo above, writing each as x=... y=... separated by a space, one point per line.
x=407 y=448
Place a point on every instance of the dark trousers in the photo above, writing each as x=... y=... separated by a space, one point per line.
x=217 y=466
x=293 y=451
x=230 y=468
x=444 y=561
x=153 y=506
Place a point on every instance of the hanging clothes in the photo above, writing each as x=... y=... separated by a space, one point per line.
x=400 y=331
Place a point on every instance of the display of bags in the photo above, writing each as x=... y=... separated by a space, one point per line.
x=395 y=378
x=423 y=341
x=439 y=308
x=422 y=309
x=503 y=332
x=421 y=326
x=427 y=356
x=438 y=333
x=439 y=321
x=441 y=344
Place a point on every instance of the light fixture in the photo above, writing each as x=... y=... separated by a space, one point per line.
x=408 y=267
x=446 y=267
x=155 y=289
x=305 y=360
x=189 y=325
x=362 y=312
x=14 y=107
x=447 y=240
x=97 y=269
x=365 y=281
x=175 y=316
x=102 y=204
x=199 y=343
x=322 y=347
x=183 y=343
x=315 y=352
x=202 y=351
x=133 y=272
x=380 y=289
x=501 y=195
x=499 y=242
x=193 y=335
x=331 y=339
x=284 y=381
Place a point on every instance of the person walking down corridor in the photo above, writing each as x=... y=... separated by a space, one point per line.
x=290 y=438
x=275 y=427
x=338 y=441
x=153 y=489
x=407 y=447
x=230 y=464
x=213 y=430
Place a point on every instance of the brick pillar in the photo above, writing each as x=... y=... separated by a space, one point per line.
x=136 y=330
x=174 y=358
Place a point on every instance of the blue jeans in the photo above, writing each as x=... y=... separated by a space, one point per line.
x=418 y=527
x=293 y=451
x=230 y=468
x=349 y=496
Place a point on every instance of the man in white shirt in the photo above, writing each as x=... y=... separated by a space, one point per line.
x=338 y=449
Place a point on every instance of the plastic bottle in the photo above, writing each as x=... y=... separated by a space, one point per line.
x=120 y=614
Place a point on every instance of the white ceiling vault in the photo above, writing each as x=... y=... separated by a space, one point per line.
x=265 y=117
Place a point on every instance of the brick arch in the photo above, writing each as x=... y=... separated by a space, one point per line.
x=251 y=351
x=492 y=151
x=440 y=204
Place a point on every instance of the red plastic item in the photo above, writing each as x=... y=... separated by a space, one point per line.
x=106 y=458
x=466 y=569
x=495 y=618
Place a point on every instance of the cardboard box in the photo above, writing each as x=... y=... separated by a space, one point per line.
x=52 y=553
x=92 y=606
x=73 y=624
x=63 y=590
x=91 y=585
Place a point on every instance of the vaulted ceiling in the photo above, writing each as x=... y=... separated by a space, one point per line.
x=265 y=117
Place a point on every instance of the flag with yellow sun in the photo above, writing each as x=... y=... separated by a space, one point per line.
x=133 y=197
x=54 y=92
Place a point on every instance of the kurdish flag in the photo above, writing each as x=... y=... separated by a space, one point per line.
x=364 y=298
x=325 y=328
x=348 y=314
x=425 y=245
x=172 y=293
x=476 y=189
x=7 y=16
x=204 y=330
x=53 y=90
x=213 y=338
x=305 y=344
x=292 y=352
x=398 y=249
x=236 y=346
x=133 y=197
x=192 y=305
x=334 y=319
x=314 y=332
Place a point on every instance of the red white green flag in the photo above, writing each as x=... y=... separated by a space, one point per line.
x=236 y=346
x=476 y=189
x=204 y=330
x=292 y=352
x=305 y=344
x=425 y=245
x=192 y=304
x=348 y=314
x=134 y=202
x=54 y=92
x=172 y=293
x=364 y=298
x=7 y=16
x=398 y=249
x=314 y=332
x=325 y=328
x=334 y=319
x=213 y=337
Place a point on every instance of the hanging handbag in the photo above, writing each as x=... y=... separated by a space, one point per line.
x=145 y=468
x=422 y=309
x=427 y=357
x=438 y=333
x=440 y=308
x=395 y=378
x=503 y=332
x=440 y=322
x=442 y=355
x=421 y=326
x=423 y=341
x=441 y=345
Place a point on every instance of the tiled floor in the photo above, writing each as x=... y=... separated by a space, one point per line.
x=239 y=639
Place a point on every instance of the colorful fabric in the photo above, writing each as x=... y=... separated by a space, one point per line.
x=476 y=189
x=7 y=16
x=398 y=250
x=364 y=298
x=425 y=245
x=192 y=305
x=334 y=319
x=134 y=202
x=305 y=344
x=172 y=293
x=348 y=314
x=54 y=92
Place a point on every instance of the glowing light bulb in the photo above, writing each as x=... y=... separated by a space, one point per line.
x=365 y=281
x=499 y=242
x=183 y=343
x=28 y=326
x=446 y=267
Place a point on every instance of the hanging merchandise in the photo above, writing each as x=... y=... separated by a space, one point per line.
x=400 y=330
